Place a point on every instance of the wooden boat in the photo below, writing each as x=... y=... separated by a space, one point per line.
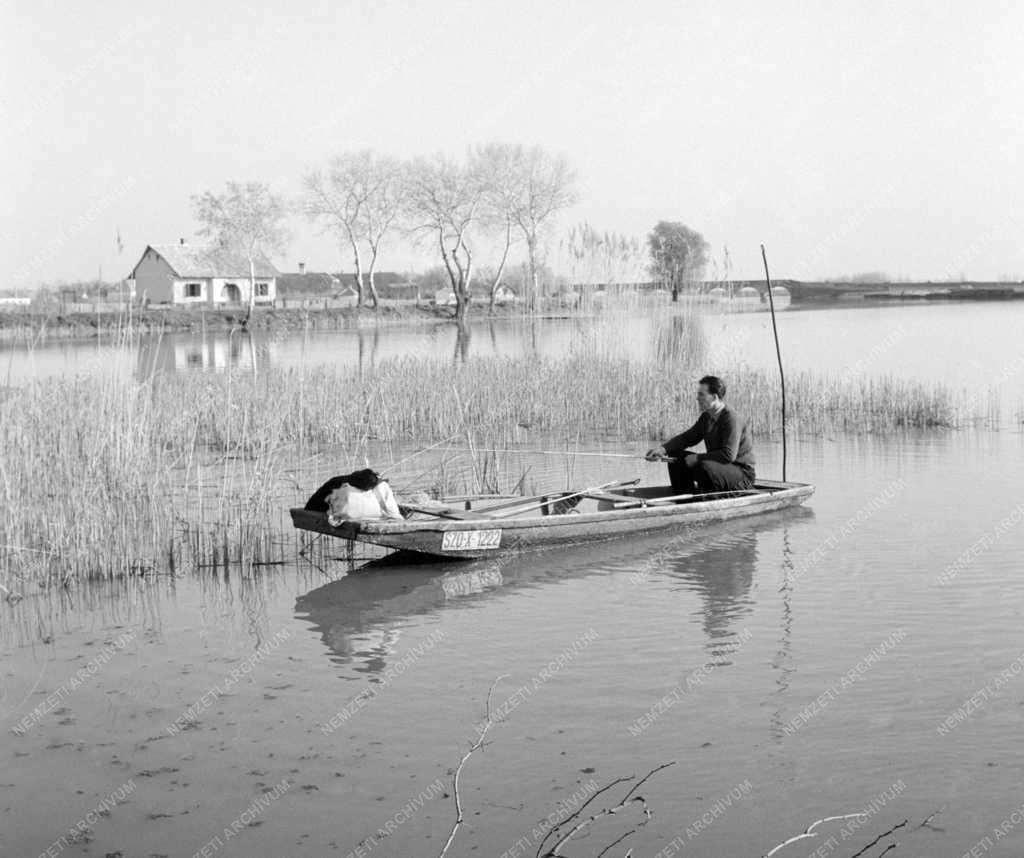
x=473 y=527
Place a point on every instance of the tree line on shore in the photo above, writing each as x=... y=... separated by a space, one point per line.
x=497 y=194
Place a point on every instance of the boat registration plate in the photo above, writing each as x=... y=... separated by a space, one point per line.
x=470 y=540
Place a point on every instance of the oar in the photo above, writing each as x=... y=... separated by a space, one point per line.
x=674 y=498
x=565 y=453
x=555 y=499
x=510 y=501
x=463 y=515
x=519 y=501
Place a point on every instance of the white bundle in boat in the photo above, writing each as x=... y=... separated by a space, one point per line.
x=347 y=503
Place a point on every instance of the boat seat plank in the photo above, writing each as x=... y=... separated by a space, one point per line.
x=609 y=496
x=446 y=512
x=694 y=497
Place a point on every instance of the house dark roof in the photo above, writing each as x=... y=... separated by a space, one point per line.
x=380 y=278
x=307 y=283
x=199 y=260
x=386 y=278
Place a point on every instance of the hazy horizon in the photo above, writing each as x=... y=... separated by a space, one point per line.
x=846 y=140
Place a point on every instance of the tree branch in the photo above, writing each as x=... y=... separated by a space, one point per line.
x=810 y=832
x=488 y=723
x=626 y=800
x=880 y=836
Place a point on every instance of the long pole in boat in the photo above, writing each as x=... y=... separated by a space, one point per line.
x=778 y=354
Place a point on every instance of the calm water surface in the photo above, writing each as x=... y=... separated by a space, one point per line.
x=812 y=661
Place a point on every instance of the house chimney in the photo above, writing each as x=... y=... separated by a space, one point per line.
x=181 y=241
x=302 y=268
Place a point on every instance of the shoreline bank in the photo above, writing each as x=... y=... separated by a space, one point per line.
x=41 y=324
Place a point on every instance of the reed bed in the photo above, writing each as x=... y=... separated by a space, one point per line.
x=109 y=477
x=427 y=399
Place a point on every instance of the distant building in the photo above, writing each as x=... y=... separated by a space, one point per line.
x=445 y=298
x=505 y=295
x=389 y=285
x=187 y=274
x=347 y=295
x=306 y=283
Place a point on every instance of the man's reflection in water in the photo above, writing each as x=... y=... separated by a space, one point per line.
x=722 y=573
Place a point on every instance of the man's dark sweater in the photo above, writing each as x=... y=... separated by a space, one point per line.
x=726 y=438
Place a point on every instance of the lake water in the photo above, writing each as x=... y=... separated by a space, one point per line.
x=864 y=653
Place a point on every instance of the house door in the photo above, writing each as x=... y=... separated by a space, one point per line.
x=230 y=294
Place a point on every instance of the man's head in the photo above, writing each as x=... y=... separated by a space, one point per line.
x=710 y=393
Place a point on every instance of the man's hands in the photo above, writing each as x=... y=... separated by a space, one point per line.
x=658 y=454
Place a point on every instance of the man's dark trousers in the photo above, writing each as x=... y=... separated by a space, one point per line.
x=709 y=476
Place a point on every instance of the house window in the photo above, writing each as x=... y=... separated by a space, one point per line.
x=262 y=290
x=193 y=290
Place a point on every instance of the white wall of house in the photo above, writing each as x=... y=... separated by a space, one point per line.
x=184 y=291
x=266 y=289
x=268 y=294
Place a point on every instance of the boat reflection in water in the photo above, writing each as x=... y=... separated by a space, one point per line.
x=359 y=617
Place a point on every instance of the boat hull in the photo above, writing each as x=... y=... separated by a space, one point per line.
x=475 y=538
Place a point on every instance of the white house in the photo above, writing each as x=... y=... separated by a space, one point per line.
x=505 y=295
x=187 y=274
x=444 y=298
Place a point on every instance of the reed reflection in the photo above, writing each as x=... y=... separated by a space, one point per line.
x=243 y=597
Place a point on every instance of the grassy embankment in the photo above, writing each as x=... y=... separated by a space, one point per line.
x=34 y=325
x=31 y=325
x=326 y=314
x=109 y=477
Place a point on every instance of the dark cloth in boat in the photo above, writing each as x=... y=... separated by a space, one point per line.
x=727 y=464
x=364 y=480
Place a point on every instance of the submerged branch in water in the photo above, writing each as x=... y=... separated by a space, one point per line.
x=628 y=799
x=479 y=743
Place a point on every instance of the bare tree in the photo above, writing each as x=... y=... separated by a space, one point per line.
x=500 y=170
x=445 y=200
x=360 y=197
x=385 y=181
x=247 y=220
x=546 y=185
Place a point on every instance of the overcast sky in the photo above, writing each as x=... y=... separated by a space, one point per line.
x=846 y=136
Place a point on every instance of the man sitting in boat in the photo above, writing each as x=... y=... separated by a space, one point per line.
x=728 y=463
x=357 y=496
